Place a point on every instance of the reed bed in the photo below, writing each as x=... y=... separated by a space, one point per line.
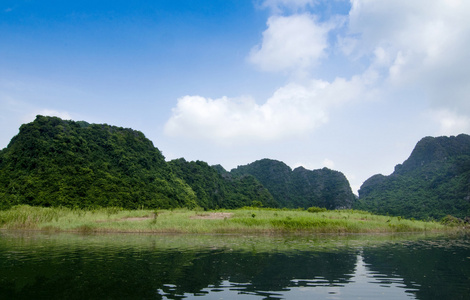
x=247 y=220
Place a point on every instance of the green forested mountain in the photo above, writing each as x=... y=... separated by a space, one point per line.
x=216 y=188
x=52 y=162
x=300 y=187
x=433 y=182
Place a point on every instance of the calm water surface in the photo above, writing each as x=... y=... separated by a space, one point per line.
x=130 y=266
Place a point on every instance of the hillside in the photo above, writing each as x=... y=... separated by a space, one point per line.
x=300 y=187
x=52 y=162
x=216 y=188
x=433 y=182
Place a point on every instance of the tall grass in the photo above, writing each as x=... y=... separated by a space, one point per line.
x=24 y=216
x=340 y=221
x=247 y=220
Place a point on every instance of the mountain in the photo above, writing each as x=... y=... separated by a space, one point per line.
x=433 y=182
x=300 y=187
x=216 y=188
x=52 y=162
x=55 y=162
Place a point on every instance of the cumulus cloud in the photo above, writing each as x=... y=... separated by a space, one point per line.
x=227 y=120
x=423 y=45
x=292 y=110
x=402 y=46
x=291 y=43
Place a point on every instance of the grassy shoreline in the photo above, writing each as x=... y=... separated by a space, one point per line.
x=246 y=220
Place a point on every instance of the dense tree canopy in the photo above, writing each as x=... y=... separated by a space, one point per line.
x=216 y=188
x=52 y=162
x=300 y=187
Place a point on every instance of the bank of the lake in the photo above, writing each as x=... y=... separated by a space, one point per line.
x=247 y=220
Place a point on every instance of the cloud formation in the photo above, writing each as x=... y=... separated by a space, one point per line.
x=423 y=44
x=293 y=43
x=415 y=47
x=293 y=110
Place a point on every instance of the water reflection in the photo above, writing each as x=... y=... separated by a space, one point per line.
x=66 y=266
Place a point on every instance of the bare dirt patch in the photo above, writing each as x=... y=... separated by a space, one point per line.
x=212 y=216
x=199 y=216
x=132 y=219
x=137 y=219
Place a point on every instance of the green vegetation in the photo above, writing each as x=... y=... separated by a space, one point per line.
x=58 y=163
x=216 y=188
x=52 y=162
x=315 y=209
x=300 y=187
x=245 y=220
x=77 y=165
x=432 y=183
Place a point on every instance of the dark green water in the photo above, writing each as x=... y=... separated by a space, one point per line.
x=129 y=266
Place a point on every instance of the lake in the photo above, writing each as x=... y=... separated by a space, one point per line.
x=36 y=265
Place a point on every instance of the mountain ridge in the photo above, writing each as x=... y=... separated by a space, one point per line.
x=300 y=187
x=434 y=181
x=55 y=162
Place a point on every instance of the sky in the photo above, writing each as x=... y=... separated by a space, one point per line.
x=348 y=85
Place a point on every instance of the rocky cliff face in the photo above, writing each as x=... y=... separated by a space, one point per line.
x=433 y=182
x=432 y=152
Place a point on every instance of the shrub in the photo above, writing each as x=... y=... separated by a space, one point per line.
x=451 y=221
x=315 y=209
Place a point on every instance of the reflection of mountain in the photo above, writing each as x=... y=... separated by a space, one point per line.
x=272 y=272
x=32 y=267
x=375 y=282
x=59 y=272
x=435 y=269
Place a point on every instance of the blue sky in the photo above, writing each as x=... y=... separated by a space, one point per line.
x=350 y=85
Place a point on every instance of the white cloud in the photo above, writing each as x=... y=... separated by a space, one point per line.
x=450 y=123
x=228 y=120
x=418 y=46
x=292 y=43
x=424 y=44
x=293 y=110
x=409 y=56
